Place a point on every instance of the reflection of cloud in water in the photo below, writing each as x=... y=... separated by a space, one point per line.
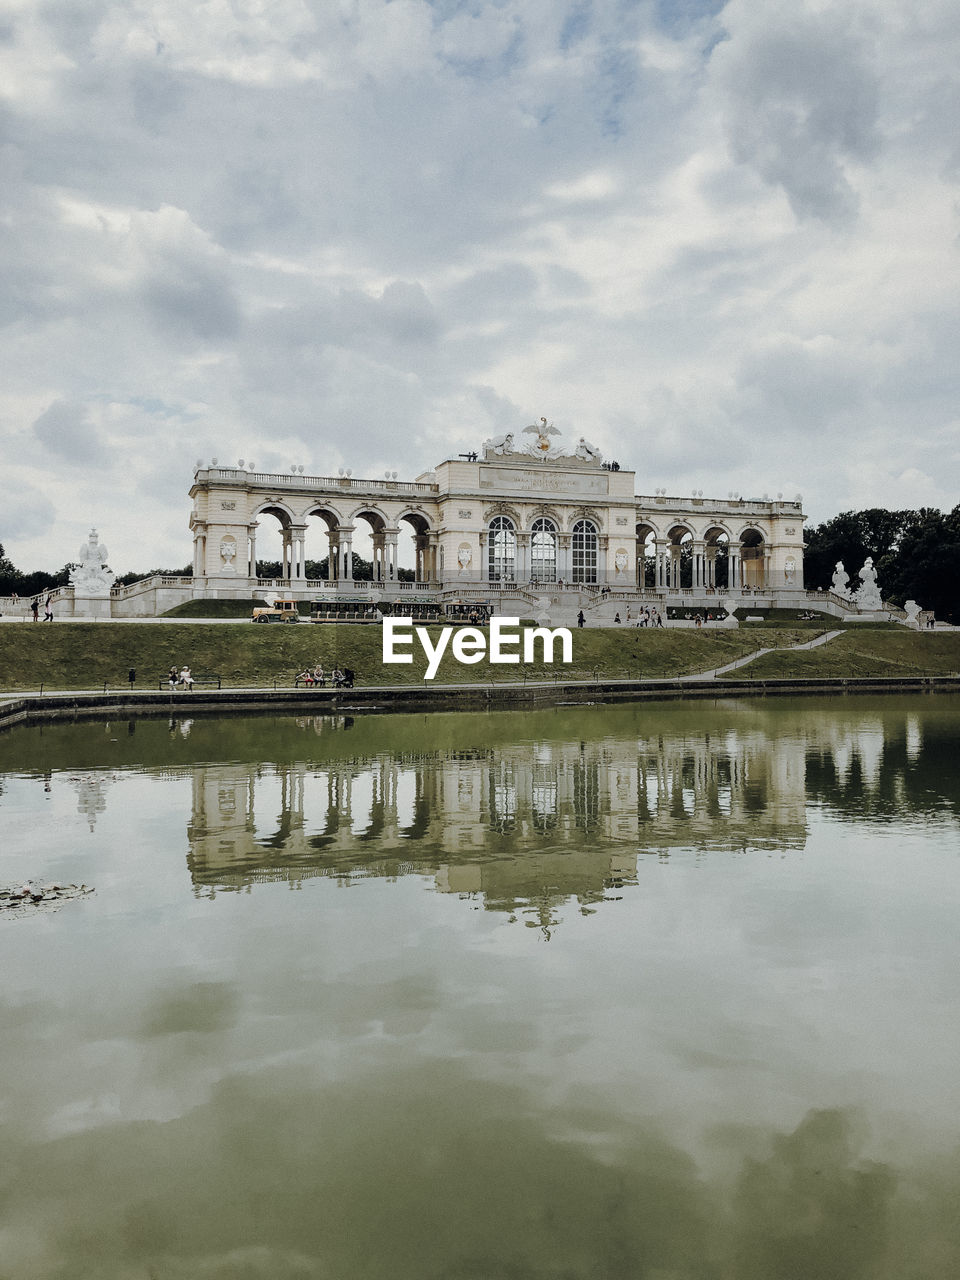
x=429 y=1174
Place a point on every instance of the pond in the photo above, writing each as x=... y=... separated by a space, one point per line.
x=664 y=992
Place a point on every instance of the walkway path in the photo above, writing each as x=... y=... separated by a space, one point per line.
x=758 y=653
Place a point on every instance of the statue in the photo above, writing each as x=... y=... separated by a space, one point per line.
x=500 y=445
x=92 y=577
x=867 y=596
x=620 y=562
x=912 y=610
x=464 y=556
x=839 y=585
x=541 y=447
x=587 y=452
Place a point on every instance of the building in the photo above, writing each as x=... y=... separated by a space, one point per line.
x=514 y=525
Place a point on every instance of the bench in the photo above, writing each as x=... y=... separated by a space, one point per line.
x=210 y=680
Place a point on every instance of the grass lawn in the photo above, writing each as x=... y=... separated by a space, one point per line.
x=859 y=652
x=76 y=655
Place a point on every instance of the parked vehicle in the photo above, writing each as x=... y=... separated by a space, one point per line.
x=277 y=611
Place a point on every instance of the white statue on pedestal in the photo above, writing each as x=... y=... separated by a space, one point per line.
x=839 y=585
x=912 y=610
x=92 y=577
x=868 y=595
x=499 y=445
x=587 y=452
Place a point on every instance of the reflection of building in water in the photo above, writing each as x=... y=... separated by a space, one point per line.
x=515 y=824
x=91 y=789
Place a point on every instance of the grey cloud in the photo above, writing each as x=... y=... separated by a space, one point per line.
x=66 y=430
x=801 y=102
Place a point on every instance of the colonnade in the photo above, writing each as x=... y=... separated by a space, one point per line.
x=704 y=556
x=293 y=558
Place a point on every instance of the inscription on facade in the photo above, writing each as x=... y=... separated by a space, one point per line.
x=464 y=514
x=548 y=481
x=228 y=506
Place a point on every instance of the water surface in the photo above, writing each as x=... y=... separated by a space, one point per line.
x=646 y=991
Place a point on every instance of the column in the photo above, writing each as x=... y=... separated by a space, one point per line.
x=198 y=565
x=433 y=542
x=390 y=547
x=299 y=568
x=523 y=557
x=699 y=576
x=483 y=568
x=420 y=544
x=333 y=555
x=733 y=566
x=346 y=548
x=766 y=569
x=660 y=552
x=252 y=550
x=285 y=554
x=564 y=568
x=603 y=559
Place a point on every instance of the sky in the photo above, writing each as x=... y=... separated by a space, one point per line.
x=718 y=241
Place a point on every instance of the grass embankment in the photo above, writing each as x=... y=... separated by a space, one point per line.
x=900 y=652
x=74 y=655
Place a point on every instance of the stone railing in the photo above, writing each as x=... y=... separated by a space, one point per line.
x=148 y=584
x=328 y=484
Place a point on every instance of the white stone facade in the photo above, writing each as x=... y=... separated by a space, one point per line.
x=508 y=519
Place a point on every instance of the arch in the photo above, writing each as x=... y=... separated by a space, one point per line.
x=501 y=549
x=682 y=568
x=543 y=549
x=717 y=540
x=330 y=565
x=584 y=551
x=374 y=517
x=264 y=565
x=647 y=536
x=418 y=539
x=753 y=558
x=584 y=513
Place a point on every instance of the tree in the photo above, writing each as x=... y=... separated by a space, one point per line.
x=852 y=536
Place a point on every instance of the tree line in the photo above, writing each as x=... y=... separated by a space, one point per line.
x=916 y=554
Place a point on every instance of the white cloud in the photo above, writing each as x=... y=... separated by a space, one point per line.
x=720 y=242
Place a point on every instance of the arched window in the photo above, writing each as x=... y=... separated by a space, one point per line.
x=543 y=551
x=502 y=549
x=584 y=548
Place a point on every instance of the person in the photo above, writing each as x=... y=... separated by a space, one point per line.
x=580 y=619
x=172 y=678
x=186 y=679
x=48 y=609
x=659 y=621
x=348 y=674
x=617 y=618
x=306 y=677
x=318 y=675
x=35 y=606
x=337 y=677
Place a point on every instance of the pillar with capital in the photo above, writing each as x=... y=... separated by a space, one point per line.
x=346 y=552
x=390 y=537
x=733 y=567
x=523 y=557
x=252 y=550
x=699 y=565
x=563 y=551
x=603 y=559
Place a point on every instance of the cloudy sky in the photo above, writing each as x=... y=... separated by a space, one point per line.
x=720 y=241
